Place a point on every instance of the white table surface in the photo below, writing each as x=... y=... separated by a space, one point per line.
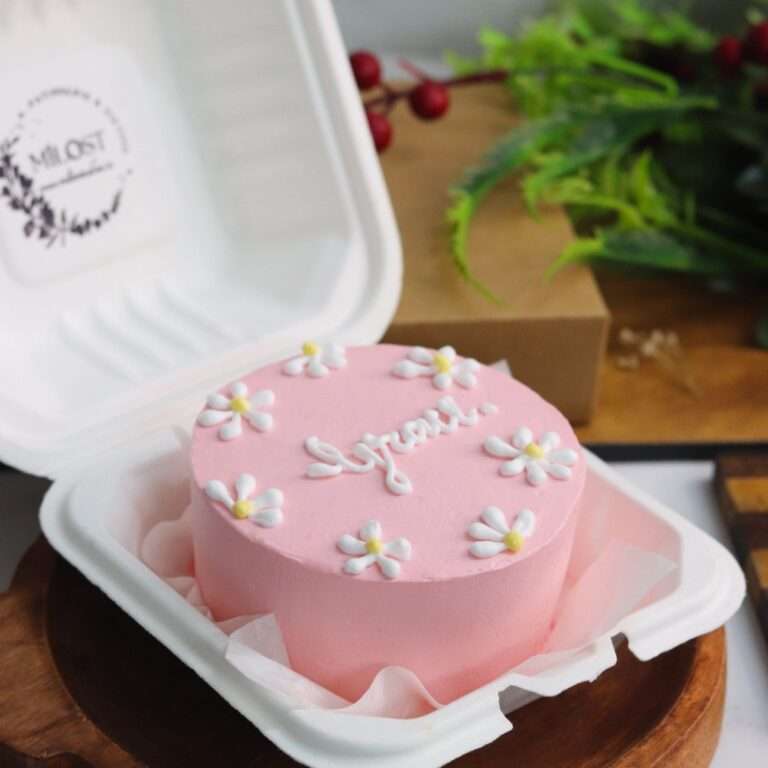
x=683 y=486
x=687 y=488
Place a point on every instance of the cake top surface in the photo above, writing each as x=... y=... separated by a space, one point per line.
x=464 y=469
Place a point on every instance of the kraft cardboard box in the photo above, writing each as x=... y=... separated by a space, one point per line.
x=552 y=332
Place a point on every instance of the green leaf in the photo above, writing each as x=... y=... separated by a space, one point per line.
x=578 y=23
x=761 y=332
x=633 y=69
x=570 y=193
x=459 y=216
x=595 y=137
x=754 y=15
x=650 y=201
x=645 y=248
x=741 y=257
x=581 y=249
x=655 y=249
x=607 y=176
x=687 y=131
x=633 y=20
x=537 y=184
x=513 y=151
x=509 y=154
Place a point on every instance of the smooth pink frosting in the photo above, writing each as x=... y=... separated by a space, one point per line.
x=455 y=620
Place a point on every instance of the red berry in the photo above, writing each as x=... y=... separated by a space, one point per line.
x=366 y=68
x=756 y=43
x=381 y=130
x=728 y=55
x=429 y=100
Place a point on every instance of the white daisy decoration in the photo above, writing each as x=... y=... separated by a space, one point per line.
x=265 y=510
x=493 y=536
x=370 y=549
x=441 y=365
x=230 y=411
x=316 y=359
x=538 y=459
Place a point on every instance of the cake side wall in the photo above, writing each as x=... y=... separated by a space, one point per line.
x=340 y=630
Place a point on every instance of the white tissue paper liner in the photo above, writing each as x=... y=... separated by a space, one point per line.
x=616 y=582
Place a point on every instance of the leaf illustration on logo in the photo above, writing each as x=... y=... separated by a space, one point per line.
x=42 y=218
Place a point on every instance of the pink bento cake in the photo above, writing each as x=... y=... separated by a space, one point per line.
x=390 y=506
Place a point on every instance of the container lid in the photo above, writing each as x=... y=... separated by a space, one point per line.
x=188 y=192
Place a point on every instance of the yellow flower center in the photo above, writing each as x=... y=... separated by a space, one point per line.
x=442 y=363
x=534 y=450
x=242 y=509
x=373 y=546
x=513 y=541
x=309 y=348
x=239 y=404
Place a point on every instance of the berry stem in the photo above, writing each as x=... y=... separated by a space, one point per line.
x=412 y=69
x=491 y=76
x=391 y=95
x=387 y=100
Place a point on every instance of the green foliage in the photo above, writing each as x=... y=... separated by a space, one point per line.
x=761 y=332
x=653 y=174
x=560 y=61
x=642 y=247
x=631 y=20
x=509 y=155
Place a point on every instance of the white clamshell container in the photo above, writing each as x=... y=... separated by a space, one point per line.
x=96 y=518
x=253 y=216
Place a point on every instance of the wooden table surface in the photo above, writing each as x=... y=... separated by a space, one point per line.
x=731 y=373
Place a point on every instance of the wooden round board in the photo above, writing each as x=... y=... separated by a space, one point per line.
x=81 y=684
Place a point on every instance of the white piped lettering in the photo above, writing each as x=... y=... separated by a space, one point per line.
x=376 y=451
